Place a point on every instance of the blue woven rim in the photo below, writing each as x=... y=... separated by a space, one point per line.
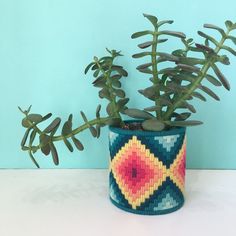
x=163 y=212
x=173 y=131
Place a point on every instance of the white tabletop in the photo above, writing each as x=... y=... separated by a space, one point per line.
x=75 y=202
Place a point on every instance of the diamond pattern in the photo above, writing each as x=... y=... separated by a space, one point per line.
x=137 y=172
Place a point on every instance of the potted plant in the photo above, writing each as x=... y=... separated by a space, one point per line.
x=148 y=154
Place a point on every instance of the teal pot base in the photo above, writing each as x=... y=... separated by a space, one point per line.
x=141 y=212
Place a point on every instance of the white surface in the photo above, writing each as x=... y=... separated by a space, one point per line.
x=75 y=202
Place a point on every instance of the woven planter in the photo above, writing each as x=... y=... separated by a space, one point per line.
x=147 y=170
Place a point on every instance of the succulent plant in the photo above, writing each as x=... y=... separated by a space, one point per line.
x=171 y=91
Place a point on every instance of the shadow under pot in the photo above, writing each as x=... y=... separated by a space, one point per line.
x=147 y=170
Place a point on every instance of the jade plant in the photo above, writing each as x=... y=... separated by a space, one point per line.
x=171 y=91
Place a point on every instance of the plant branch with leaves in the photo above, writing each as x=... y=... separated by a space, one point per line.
x=171 y=91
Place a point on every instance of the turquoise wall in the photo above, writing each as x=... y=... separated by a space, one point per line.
x=45 y=45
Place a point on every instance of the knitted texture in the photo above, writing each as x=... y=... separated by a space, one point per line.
x=147 y=170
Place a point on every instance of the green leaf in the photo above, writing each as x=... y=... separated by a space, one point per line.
x=233 y=39
x=100 y=82
x=209 y=92
x=68 y=145
x=221 y=77
x=149 y=92
x=25 y=137
x=142 y=54
x=191 y=61
x=139 y=114
x=153 y=125
x=144 y=66
x=181 y=116
x=141 y=33
x=25 y=123
x=184 y=123
x=122 y=102
x=98 y=111
x=98 y=129
x=53 y=126
x=116 y=83
x=116 y=76
x=228 y=24
x=168 y=57
x=160 y=23
x=44 y=142
x=145 y=71
x=152 y=19
x=33 y=159
x=78 y=144
x=223 y=59
x=206 y=36
x=145 y=45
x=109 y=109
x=229 y=49
x=188 y=106
x=120 y=93
x=84 y=116
x=67 y=128
x=200 y=96
x=46 y=116
x=32 y=137
x=210 y=26
x=36 y=118
x=173 y=33
x=188 y=68
x=205 y=48
x=96 y=73
x=88 y=67
x=213 y=80
x=54 y=154
x=93 y=131
x=120 y=70
x=104 y=93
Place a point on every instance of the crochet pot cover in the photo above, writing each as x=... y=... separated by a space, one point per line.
x=147 y=170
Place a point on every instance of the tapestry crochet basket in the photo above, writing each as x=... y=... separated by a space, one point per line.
x=147 y=170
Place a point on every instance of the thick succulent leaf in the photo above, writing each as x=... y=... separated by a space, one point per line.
x=84 y=116
x=160 y=23
x=191 y=61
x=228 y=24
x=109 y=109
x=33 y=159
x=233 y=39
x=188 y=106
x=96 y=73
x=141 y=33
x=204 y=48
x=210 y=26
x=145 y=71
x=152 y=108
x=98 y=129
x=44 y=142
x=120 y=93
x=36 y=118
x=25 y=123
x=152 y=19
x=120 y=70
x=153 y=125
x=144 y=66
x=208 y=37
x=54 y=154
x=223 y=59
x=168 y=57
x=117 y=76
x=209 y=92
x=100 y=82
x=138 y=114
x=98 y=111
x=221 y=77
x=116 y=83
x=181 y=116
x=93 y=131
x=149 y=92
x=67 y=128
x=78 y=144
x=173 y=33
x=229 y=49
x=104 y=93
x=184 y=123
x=46 y=116
x=68 y=145
x=88 y=67
x=145 y=45
x=189 y=68
x=142 y=54
x=122 y=102
x=213 y=80
x=25 y=137
x=53 y=126
x=198 y=95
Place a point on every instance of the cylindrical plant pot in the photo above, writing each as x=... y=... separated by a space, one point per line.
x=147 y=170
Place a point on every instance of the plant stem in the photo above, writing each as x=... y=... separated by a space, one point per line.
x=81 y=128
x=155 y=74
x=194 y=86
x=110 y=88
